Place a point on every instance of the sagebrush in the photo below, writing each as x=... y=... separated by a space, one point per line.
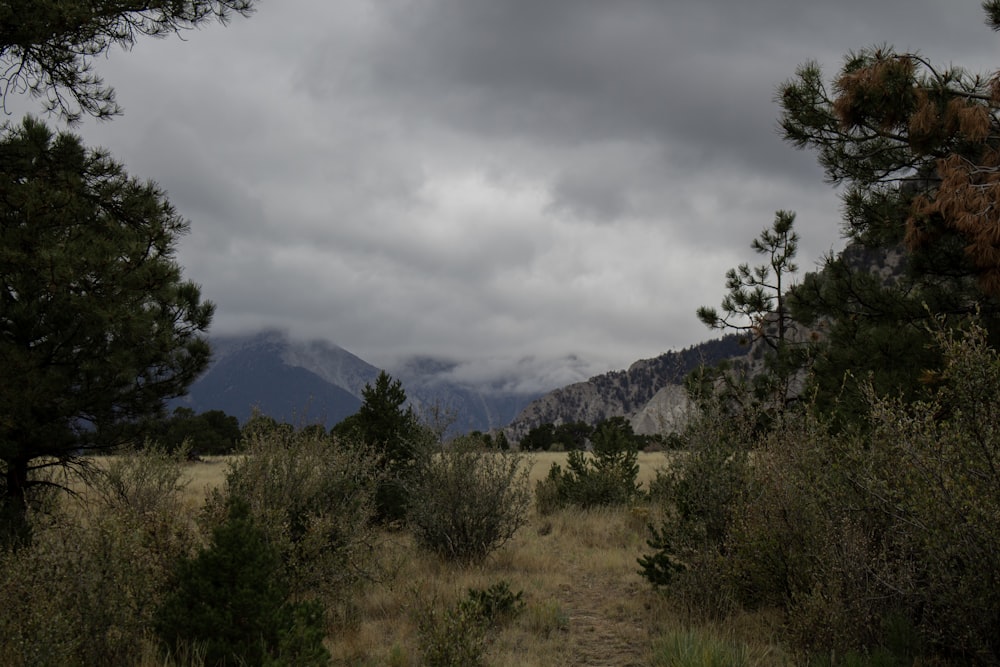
x=467 y=500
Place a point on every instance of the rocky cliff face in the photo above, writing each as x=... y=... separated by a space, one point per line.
x=666 y=412
x=649 y=393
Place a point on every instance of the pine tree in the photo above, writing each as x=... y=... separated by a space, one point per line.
x=394 y=432
x=97 y=326
x=231 y=601
x=757 y=308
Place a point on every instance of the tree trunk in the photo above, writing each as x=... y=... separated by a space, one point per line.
x=14 y=527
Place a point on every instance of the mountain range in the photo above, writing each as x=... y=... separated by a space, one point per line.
x=315 y=381
x=650 y=392
x=306 y=382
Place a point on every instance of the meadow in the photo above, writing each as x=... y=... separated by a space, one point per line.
x=210 y=472
x=778 y=547
x=584 y=601
x=87 y=590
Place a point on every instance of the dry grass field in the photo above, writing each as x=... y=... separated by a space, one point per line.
x=210 y=472
x=585 y=603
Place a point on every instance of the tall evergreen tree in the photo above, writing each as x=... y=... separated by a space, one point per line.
x=756 y=308
x=383 y=422
x=755 y=305
x=97 y=326
x=918 y=149
x=386 y=427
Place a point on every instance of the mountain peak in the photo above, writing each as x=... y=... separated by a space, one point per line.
x=316 y=380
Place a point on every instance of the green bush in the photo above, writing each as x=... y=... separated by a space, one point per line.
x=700 y=495
x=394 y=436
x=496 y=604
x=80 y=595
x=550 y=493
x=881 y=540
x=606 y=477
x=457 y=636
x=85 y=590
x=314 y=502
x=139 y=482
x=467 y=501
x=451 y=638
x=929 y=474
x=904 y=545
x=231 y=600
x=661 y=566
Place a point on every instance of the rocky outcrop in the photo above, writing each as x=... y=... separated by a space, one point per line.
x=667 y=412
x=633 y=393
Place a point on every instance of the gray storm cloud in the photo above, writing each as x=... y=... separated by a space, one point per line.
x=503 y=183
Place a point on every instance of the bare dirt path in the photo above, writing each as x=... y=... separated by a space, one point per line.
x=604 y=626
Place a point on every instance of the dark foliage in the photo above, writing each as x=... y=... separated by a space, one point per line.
x=211 y=433
x=98 y=327
x=231 y=601
x=468 y=501
x=605 y=477
x=459 y=635
x=384 y=426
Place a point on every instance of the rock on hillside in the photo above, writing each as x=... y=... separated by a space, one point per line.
x=626 y=393
x=664 y=413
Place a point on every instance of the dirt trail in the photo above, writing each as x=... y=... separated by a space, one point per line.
x=606 y=626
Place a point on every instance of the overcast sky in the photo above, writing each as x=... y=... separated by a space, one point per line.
x=552 y=186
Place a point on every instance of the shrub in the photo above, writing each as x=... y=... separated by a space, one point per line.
x=605 y=478
x=314 y=502
x=496 y=604
x=467 y=501
x=79 y=595
x=85 y=590
x=881 y=540
x=662 y=565
x=691 y=648
x=139 y=482
x=891 y=542
x=232 y=601
x=778 y=528
x=551 y=493
x=455 y=636
x=458 y=635
x=929 y=477
x=701 y=493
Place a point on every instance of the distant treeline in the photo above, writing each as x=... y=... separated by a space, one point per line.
x=211 y=433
